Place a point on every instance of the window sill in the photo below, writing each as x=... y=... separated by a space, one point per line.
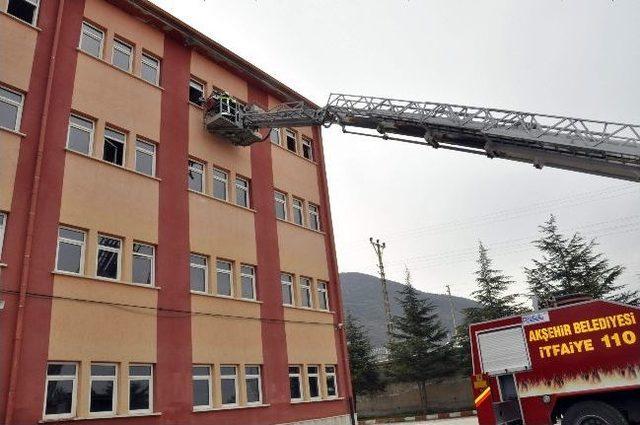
x=104 y=280
x=218 y=409
x=225 y=297
x=16 y=132
x=320 y=232
x=310 y=161
x=206 y=195
x=26 y=24
x=3 y=265
x=130 y=74
x=90 y=418
x=314 y=310
x=102 y=161
x=317 y=400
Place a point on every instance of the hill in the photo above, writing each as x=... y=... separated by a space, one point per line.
x=362 y=297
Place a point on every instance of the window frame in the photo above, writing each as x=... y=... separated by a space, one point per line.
x=253 y=281
x=145 y=151
x=107 y=378
x=235 y=378
x=308 y=290
x=246 y=189
x=82 y=245
x=317 y=376
x=202 y=173
x=277 y=139
x=117 y=43
x=74 y=391
x=203 y=88
x=290 y=285
x=199 y=266
x=82 y=33
x=81 y=128
x=3 y=226
x=224 y=180
x=300 y=385
x=225 y=272
x=209 y=379
x=307 y=143
x=109 y=249
x=314 y=217
x=111 y=138
x=140 y=378
x=151 y=257
x=284 y=203
x=294 y=135
x=333 y=375
x=248 y=377
x=148 y=59
x=325 y=285
x=297 y=205
x=19 y=105
x=36 y=12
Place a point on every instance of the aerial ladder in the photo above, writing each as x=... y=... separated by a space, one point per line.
x=596 y=147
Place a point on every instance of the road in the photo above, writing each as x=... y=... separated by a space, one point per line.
x=457 y=421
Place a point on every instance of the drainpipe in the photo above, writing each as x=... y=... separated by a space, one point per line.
x=26 y=262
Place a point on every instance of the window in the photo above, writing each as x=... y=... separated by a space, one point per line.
x=70 y=255
x=10 y=109
x=140 y=388
x=281 y=205
x=305 y=292
x=103 y=389
x=330 y=377
x=292 y=143
x=145 y=158
x=108 y=257
x=3 y=224
x=122 y=55
x=298 y=212
x=229 y=385
x=143 y=264
x=313 y=379
x=242 y=192
x=224 y=277
x=286 y=280
x=198 y=273
x=220 y=181
x=307 y=148
x=253 y=384
x=196 y=176
x=25 y=10
x=114 y=146
x=314 y=217
x=150 y=69
x=248 y=281
x=80 y=137
x=196 y=92
x=323 y=296
x=202 y=398
x=91 y=40
x=61 y=386
x=295 y=383
x=274 y=136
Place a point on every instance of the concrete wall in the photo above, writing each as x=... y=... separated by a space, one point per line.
x=404 y=398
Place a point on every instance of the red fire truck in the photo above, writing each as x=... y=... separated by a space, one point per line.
x=577 y=362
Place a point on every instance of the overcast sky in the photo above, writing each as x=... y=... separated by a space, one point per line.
x=572 y=57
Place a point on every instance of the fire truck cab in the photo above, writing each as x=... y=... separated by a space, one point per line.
x=577 y=363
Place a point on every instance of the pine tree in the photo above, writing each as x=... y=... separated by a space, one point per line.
x=417 y=348
x=365 y=375
x=570 y=265
x=493 y=303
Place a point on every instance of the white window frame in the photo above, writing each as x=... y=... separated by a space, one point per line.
x=314 y=217
x=306 y=142
x=300 y=383
x=235 y=381
x=282 y=201
x=3 y=226
x=19 y=105
x=74 y=391
x=323 y=291
x=317 y=375
x=146 y=151
x=224 y=180
x=85 y=129
x=277 y=132
x=108 y=378
x=289 y=284
x=197 y=85
x=123 y=141
x=248 y=377
x=72 y=242
x=206 y=272
x=88 y=34
x=202 y=173
x=226 y=272
x=246 y=188
x=141 y=378
x=297 y=204
x=109 y=249
x=209 y=383
x=36 y=3
x=117 y=45
x=334 y=375
x=153 y=62
x=252 y=276
x=308 y=289
x=290 y=133
x=151 y=257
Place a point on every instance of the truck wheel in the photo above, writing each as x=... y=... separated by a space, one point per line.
x=593 y=413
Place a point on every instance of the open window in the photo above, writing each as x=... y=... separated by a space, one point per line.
x=25 y=10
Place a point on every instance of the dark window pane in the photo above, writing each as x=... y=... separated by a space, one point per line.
x=61 y=369
x=101 y=396
x=331 y=386
x=252 y=370
x=139 y=370
x=142 y=269
x=195 y=181
x=76 y=235
x=107 y=264
x=314 y=389
x=8 y=115
x=113 y=151
x=286 y=294
x=69 y=257
x=306 y=297
x=224 y=283
x=139 y=394
x=22 y=10
x=103 y=370
x=201 y=371
x=59 y=397
x=294 y=386
x=281 y=210
x=247 y=287
x=253 y=390
x=228 y=391
x=198 y=279
x=227 y=370
x=79 y=140
x=219 y=189
x=200 y=392
x=195 y=94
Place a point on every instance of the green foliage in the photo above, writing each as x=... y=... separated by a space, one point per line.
x=365 y=376
x=571 y=265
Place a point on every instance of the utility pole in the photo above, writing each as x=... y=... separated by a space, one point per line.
x=453 y=312
x=379 y=248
